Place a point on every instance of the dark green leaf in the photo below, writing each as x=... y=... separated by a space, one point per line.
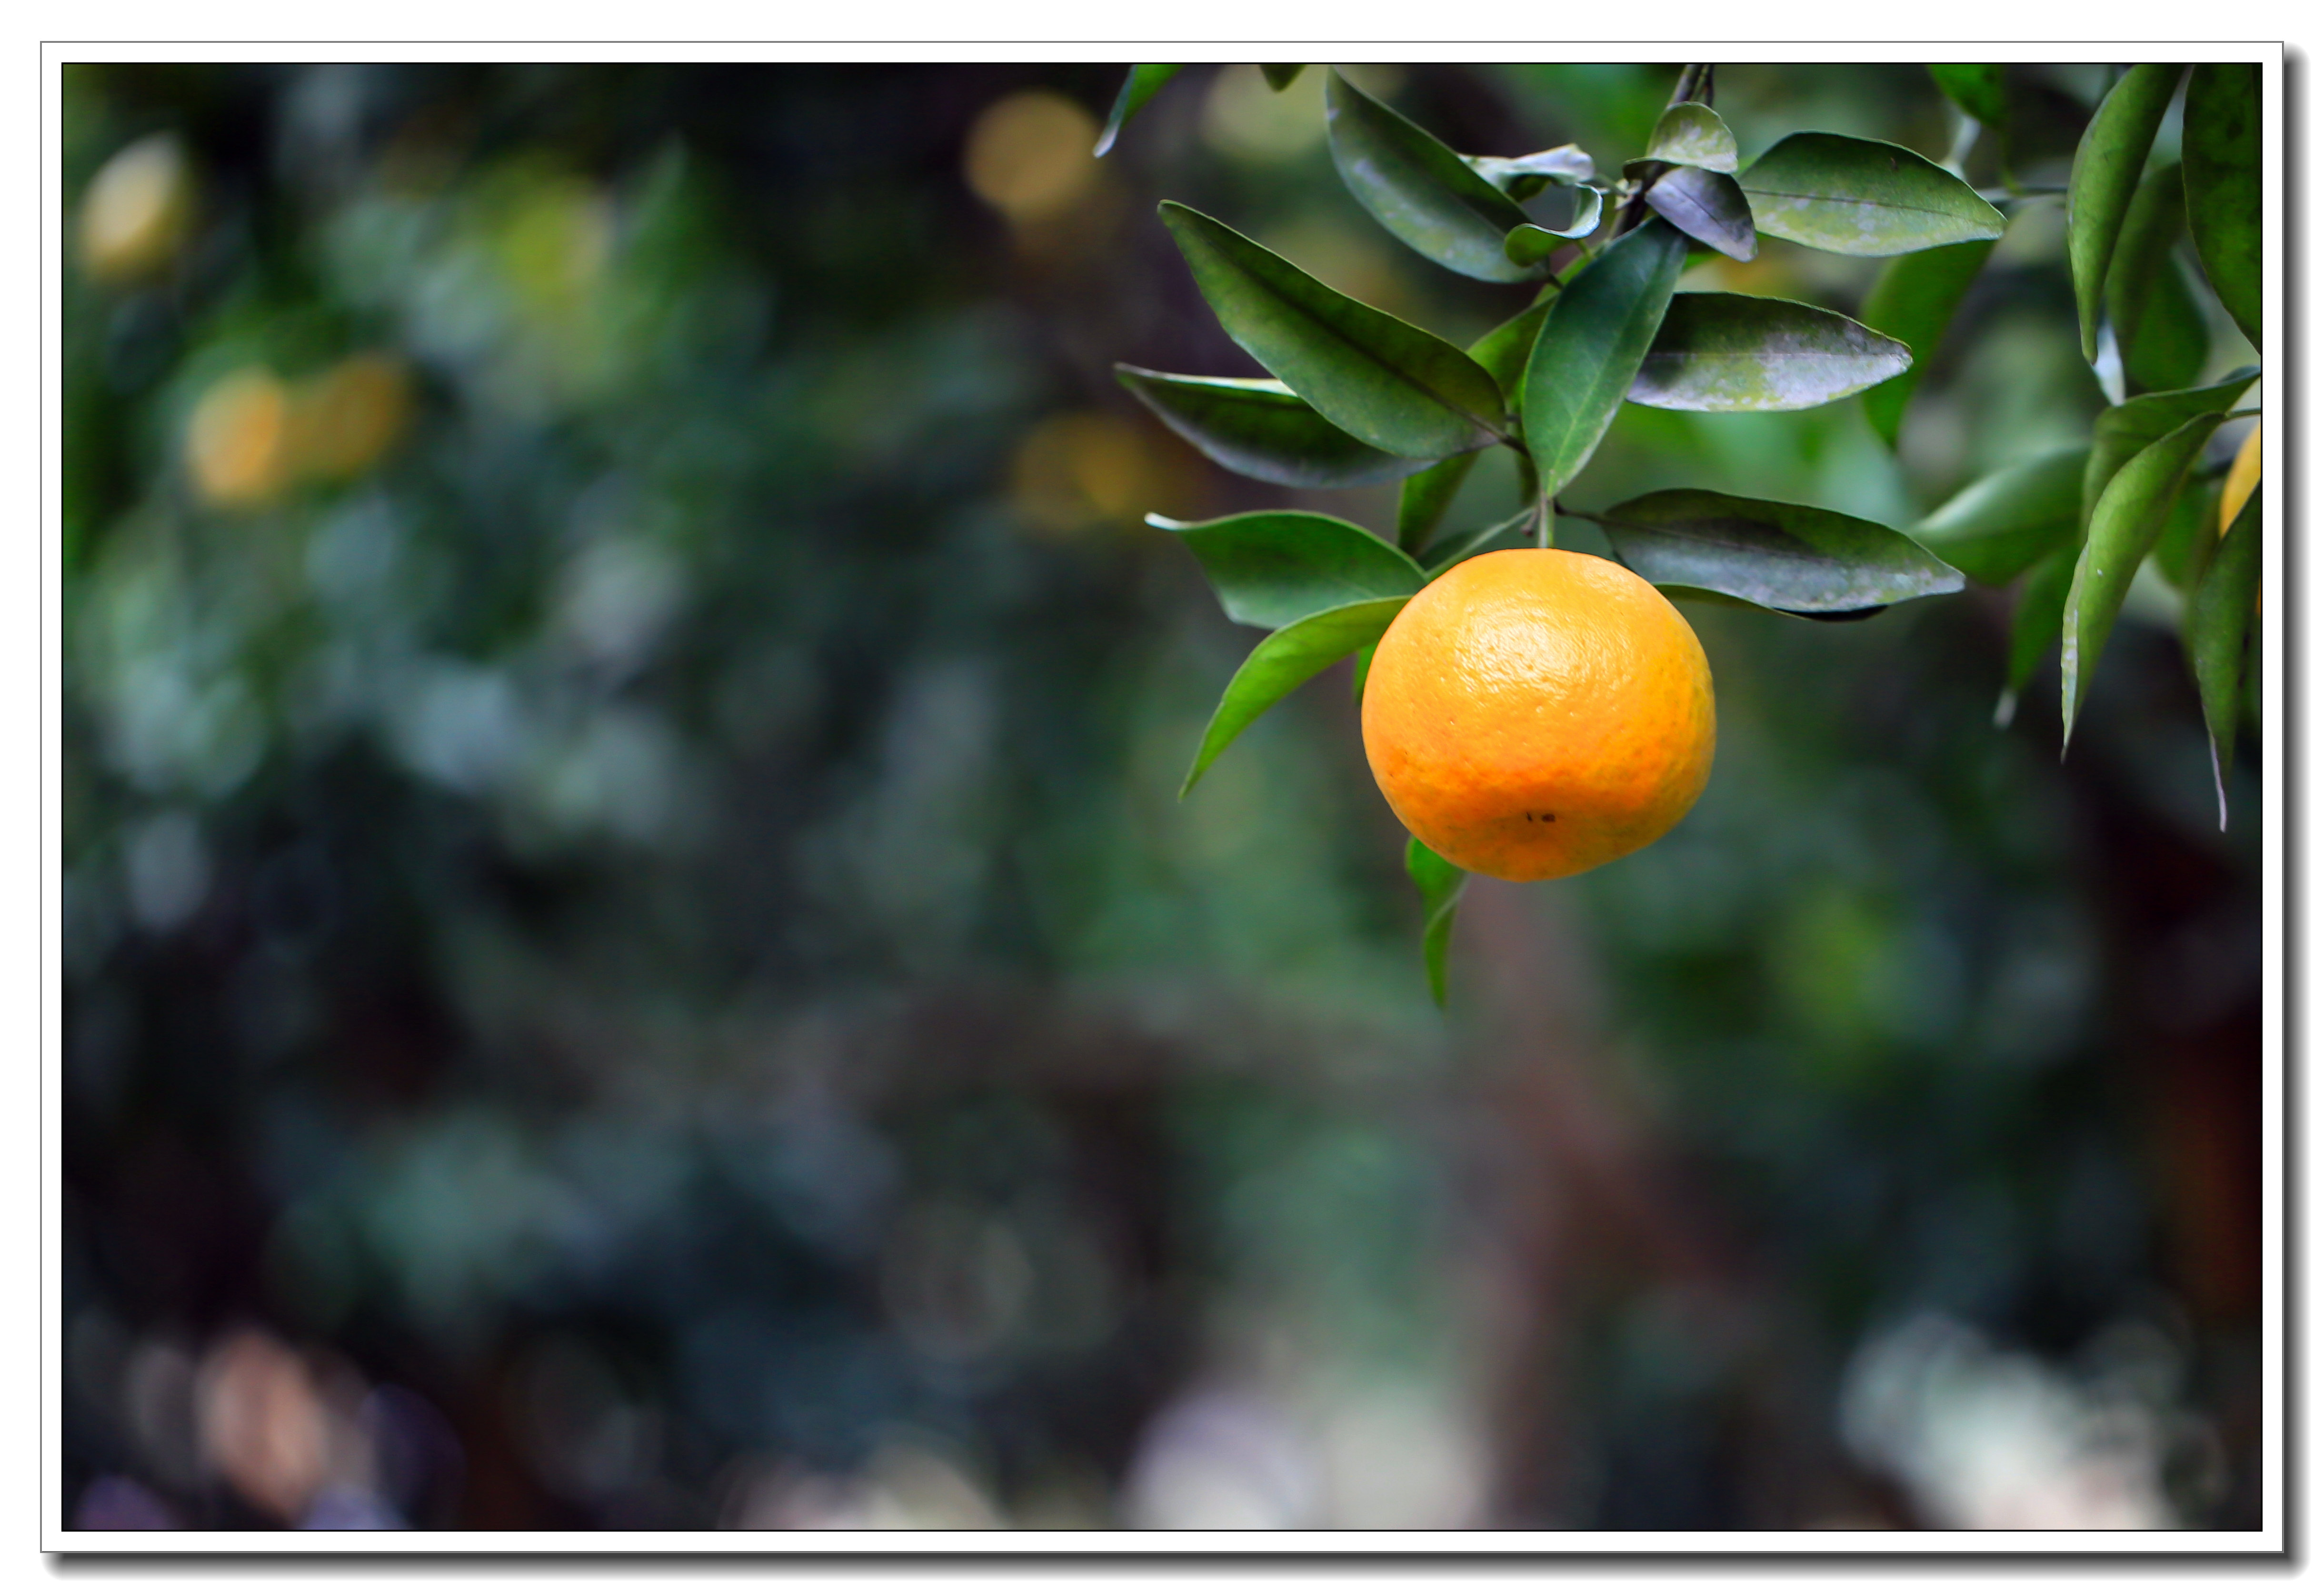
x=1504 y=350
x=1274 y=566
x=1598 y=330
x=2221 y=146
x=2034 y=627
x=1857 y=196
x=1281 y=78
x=2123 y=430
x=1914 y=298
x=2106 y=166
x=1362 y=670
x=1691 y=134
x=1707 y=206
x=1792 y=557
x=1426 y=498
x=1441 y=884
x=1284 y=661
x=2000 y=525
x=2158 y=323
x=2129 y=517
x=1384 y=381
x=1730 y=351
x=1449 y=549
x=2190 y=536
x=1419 y=189
x=1261 y=427
x=1977 y=89
x=2217 y=617
x=1135 y=89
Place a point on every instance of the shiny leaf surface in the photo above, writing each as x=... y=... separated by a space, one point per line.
x=1708 y=207
x=1792 y=557
x=1419 y=189
x=1272 y=567
x=1859 y=195
x=1260 y=428
x=1734 y=352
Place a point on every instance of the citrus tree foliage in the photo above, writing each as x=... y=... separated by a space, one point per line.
x=1360 y=396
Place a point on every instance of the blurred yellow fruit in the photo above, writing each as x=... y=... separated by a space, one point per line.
x=1079 y=469
x=238 y=440
x=2243 y=476
x=1029 y=155
x=351 y=415
x=137 y=210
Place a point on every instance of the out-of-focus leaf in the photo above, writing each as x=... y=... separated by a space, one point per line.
x=1449 y=549
x=1913 y=300
x=2129 y=516
x=1135 y=89
x=1536 y=241
x=1707 y=206
x=2035 y=626
x=1384 y=381
x=1426 y=498
x=1504 y=350
x=1859 y=195
x=1281 y=78
x=2123 y=430
x=2221 y=149
x=2190 y=536
x=1587 y=355
x=2107 y=167
x=1791 y=557
x=1274 y=566
x=1523 y=176
x=2001 y=525
x=1730 y=351
x=1441 y=884
x=1260 y=428
x=1415 y=186
x=1977 y=89
x=2158 y=322
x=1691 y=134
x=1283 y=660
x=2218 y=616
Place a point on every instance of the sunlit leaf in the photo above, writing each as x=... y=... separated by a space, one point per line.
x=2034 y=625
x=1281 y=78
x=1731 y=351
x=1977 y=89
x=1421 y=506
x=1274 y=566
x=1792 y=557
x=1522 y=176
x=2107 y=167
x=1135 y=89
x=1587 y=355
x=1441 y=884
x=1284 y=661
x=2218 y=616
x=1260 y=428
x=2221 y=149
x=1415 y=186
x=2121 y=431
x=1384 y=381
x=2163 y=337
x=1691 y=134
x=2129 y=516
x=1859 y=195
x=1913 y=300
x=2003 y=523
x=1707 y=206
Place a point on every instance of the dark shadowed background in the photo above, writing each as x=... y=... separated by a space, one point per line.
x=633 y=960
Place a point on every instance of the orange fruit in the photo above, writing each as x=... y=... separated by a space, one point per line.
x=1532 y=713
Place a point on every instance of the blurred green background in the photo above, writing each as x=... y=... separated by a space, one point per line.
x=632 y=960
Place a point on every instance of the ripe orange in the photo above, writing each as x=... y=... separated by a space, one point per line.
x=1533 y=713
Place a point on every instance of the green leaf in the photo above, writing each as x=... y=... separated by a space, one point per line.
x=2217 y=617
x=1135 y=89
x=1977 y=89
x=1384 y=381
x=1730 y=351
x=1415 y=186
x=1690 y=133
x=1791 y=557
x=1707 y=206
x=1441 y=884
x=1274 y=566
x=2190 y=536
x=1260 y=428
x=2130 y=515
x=2158 y=323
x=1284 y=661
x=1914 y=298
x=1859 y=195
x=2107 y=165
x=1537 y=241
x=1448 y=550
x=2001 y=525
x=1590 y=344
x=1363 y=671
x=1281 y=78
x=1426 y=498
x=1523 y=176
x=2221 y=148
x=2035 y=626
x=2123 y=430
x=1504 y=350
